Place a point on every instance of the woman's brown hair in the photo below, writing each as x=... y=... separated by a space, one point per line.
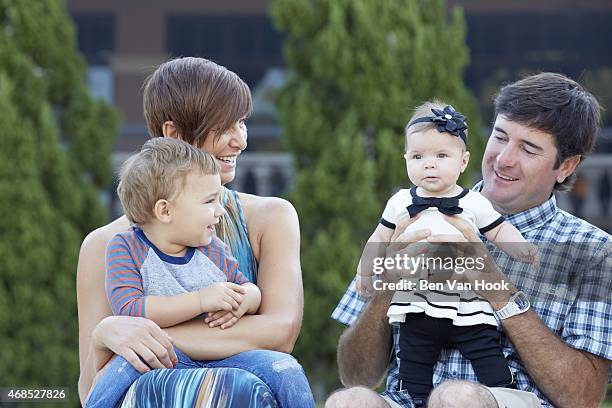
x=199 y=96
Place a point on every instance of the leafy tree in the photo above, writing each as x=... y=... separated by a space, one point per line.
x=55 y=150
x=357 y=68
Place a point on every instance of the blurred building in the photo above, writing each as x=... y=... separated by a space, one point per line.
x=513 y=38
x=124 y=40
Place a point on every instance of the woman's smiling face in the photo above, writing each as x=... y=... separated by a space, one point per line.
x=226 y=147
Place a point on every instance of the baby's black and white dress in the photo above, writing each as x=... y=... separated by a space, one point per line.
x=431 y=320
x=463 y=307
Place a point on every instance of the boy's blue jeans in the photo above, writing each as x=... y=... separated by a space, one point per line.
x=279 y=371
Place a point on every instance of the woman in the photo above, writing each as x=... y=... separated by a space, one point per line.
x=206 y=105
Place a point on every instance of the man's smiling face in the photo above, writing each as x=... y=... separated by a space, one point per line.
x=518 y=167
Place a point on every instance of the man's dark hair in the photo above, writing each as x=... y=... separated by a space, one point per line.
x=557 y=105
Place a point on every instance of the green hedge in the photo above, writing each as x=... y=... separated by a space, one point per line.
x=55 y=150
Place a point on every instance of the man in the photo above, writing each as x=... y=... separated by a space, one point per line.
x=559 y=349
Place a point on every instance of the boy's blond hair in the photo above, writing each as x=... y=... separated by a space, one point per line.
x=159 y=171
x=422 y=111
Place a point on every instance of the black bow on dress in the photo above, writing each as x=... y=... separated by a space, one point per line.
x=446 y=205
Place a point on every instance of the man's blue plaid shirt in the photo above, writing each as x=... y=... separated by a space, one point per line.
x=567 y=307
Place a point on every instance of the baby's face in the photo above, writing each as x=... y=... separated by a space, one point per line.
x=435 y=160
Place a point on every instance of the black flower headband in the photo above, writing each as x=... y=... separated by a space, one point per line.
x=446 y=120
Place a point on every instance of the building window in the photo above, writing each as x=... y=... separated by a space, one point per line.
x=100 y=82
x=96 y=36
x=247 y=45
x=568 y=42
x=507 y=46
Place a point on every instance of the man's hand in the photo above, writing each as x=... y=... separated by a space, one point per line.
x=364 y=284
x=401 y=226
x=378 y=248
x=404 y=244
x=221 y=296
x=475 y=248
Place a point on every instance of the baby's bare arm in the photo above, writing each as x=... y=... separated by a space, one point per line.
x=507 y=238
x=504 y=232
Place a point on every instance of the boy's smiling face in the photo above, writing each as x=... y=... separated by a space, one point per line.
x=435 y=160
x=196 y=210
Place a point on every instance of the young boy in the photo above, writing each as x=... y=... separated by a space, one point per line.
x=170 y=267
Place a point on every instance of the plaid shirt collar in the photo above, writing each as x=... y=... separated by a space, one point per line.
x=531 y=218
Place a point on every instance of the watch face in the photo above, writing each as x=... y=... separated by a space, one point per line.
x=521 y=301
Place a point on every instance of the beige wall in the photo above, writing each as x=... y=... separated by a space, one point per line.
x=140 y=45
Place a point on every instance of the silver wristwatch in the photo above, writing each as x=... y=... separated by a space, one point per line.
x=517 y=304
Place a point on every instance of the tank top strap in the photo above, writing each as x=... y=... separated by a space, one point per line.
x=239 y=242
